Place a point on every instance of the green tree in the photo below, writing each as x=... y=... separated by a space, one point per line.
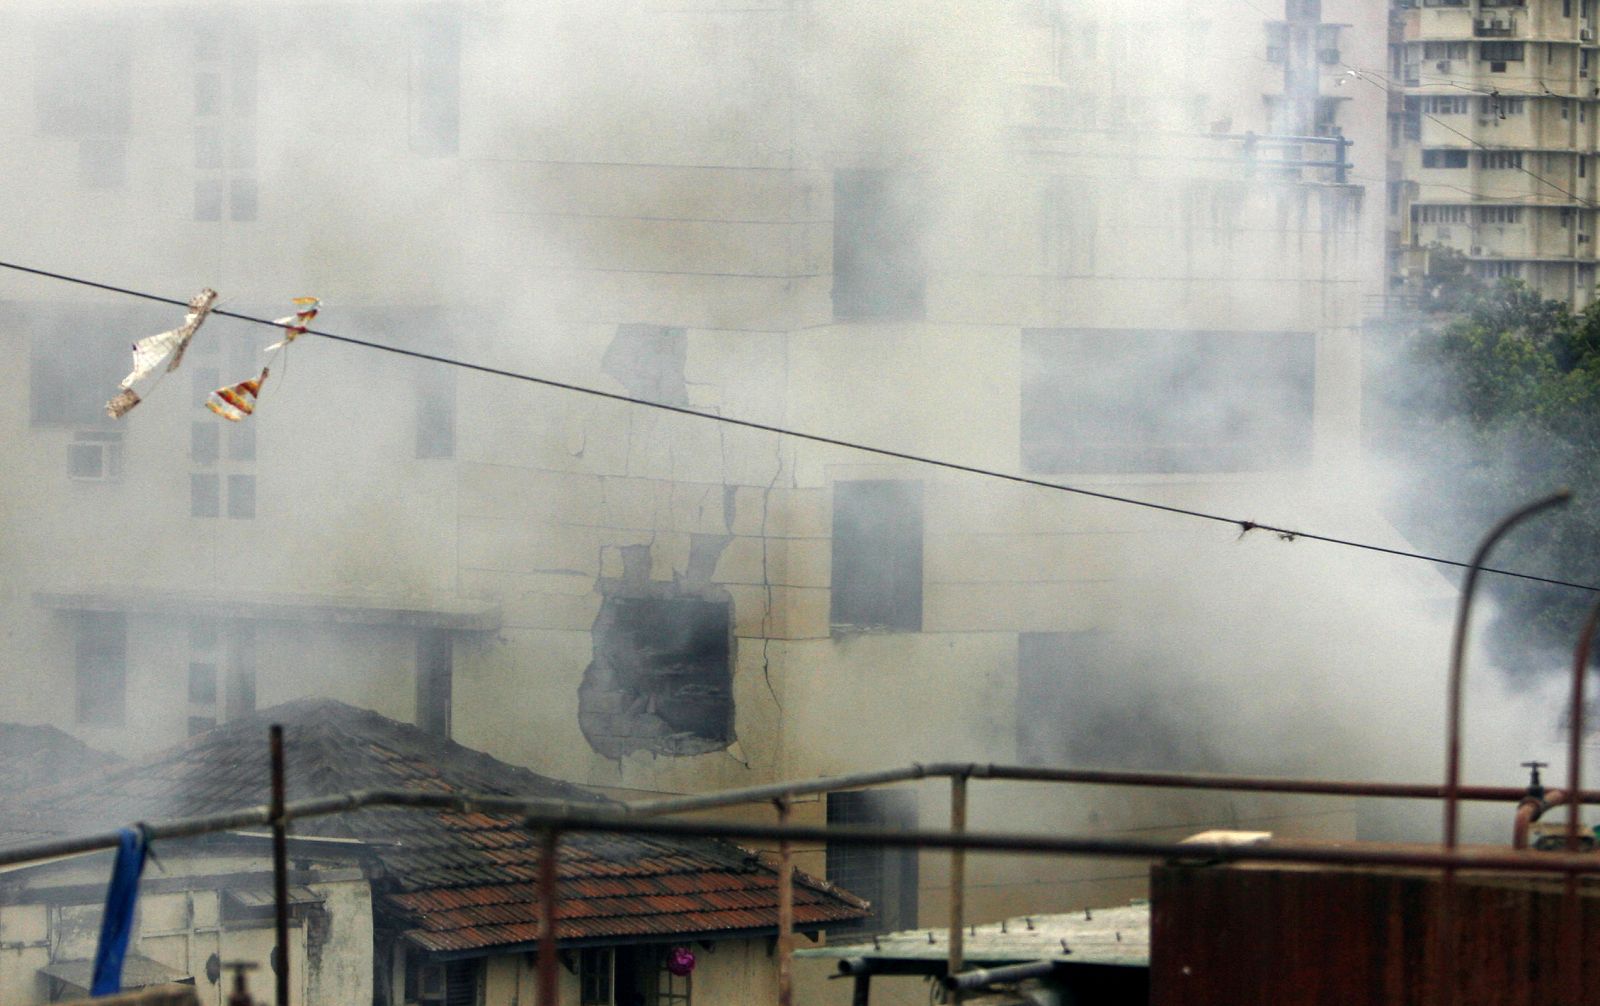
x=1488 y=408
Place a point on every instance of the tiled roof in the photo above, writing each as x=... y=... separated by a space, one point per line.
x=456 y=881
x=34 y=756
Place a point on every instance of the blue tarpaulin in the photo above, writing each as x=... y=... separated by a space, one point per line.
x=116 y=926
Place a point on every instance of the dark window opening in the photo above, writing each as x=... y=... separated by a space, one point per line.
x=240 y=694
x=662 y=676
x=594 y=976
x=1100 y=400
x=1444 y=158
x=887 y=878
x=102 y=667
x=877 y=556
x=76 y=357
x=878 y=269
x=452 y=983
x=435 y=669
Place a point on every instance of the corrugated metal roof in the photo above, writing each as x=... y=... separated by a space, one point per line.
x=1114 y=936
x=455 y=881
x=137 y=973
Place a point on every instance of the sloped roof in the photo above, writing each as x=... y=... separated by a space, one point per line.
x=33 y=756
x=456 y=882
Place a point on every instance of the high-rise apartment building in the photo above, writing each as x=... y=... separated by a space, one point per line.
x=1492 y=135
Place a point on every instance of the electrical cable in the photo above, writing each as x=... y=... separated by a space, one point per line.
x=1245 y=526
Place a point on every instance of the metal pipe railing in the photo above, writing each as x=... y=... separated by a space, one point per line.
x=323 y=806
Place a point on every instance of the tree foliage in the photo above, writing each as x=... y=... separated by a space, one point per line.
x=1493 y=404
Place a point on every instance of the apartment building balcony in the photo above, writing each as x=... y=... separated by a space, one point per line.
x=1488 y=26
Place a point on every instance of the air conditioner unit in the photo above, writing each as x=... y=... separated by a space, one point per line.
x=1484 y=24
x=1501 y=25
x=1443 y=66
x=1587 y=34
x=95 y=457
x=1583 y=239
x=1477 y=249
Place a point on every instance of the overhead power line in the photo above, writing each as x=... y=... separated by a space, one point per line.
x=1244 y=526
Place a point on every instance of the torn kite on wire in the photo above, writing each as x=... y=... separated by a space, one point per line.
x=238 y=401
x=296 y=324
x=149 y=352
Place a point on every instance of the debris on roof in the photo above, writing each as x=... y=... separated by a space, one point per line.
x=1110 y=936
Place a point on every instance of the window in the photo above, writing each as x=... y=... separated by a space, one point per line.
x=1499 y=214
x=205 y=495
x=1277 y=41
x=1500 y=52
x=1497 y=270
x=436 y=412
x=436 y=85
x=82 y=92
x=241 y=441
x=877 y=556
x=434 y=672
x=1328 y=44
x=452 y=983
x=94 y=456
x=878 y=272
x=76 y=358
x=1502 y=107
x=1440 y=214
x=203 y=683
x=207 y=93
x=242 y=199
x=208 y=199
x=1109 y=400
x=102 y=667
x=242 y=497
x=594 y=976
x=1449 y=105
x=204 y=443
x=1500 y=160
x=1445 y=50
x=1444 y=158
x=662 y=675
x=241 y=670
x=885 y=877
x=207 y=147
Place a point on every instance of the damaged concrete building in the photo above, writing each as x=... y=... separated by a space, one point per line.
x=945 y=259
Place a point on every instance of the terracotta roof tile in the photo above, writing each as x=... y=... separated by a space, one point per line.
x=460 y=881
